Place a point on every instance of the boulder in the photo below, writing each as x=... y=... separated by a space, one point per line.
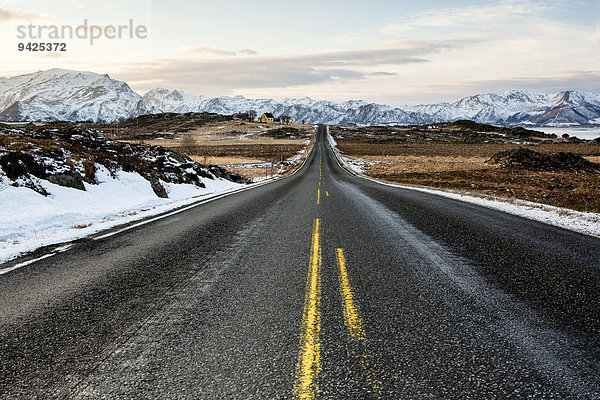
x=68 y=179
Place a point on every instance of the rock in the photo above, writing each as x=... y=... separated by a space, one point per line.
x=68 y=179
x=158 y=189
x=528 y=159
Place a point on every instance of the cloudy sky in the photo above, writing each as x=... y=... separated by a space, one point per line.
x=386 y=51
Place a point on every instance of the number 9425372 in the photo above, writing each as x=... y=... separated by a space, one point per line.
x=33 y=46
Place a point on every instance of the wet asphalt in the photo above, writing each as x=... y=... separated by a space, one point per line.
x=455 y=301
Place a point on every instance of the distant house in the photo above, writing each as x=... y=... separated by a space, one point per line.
x=267 y=118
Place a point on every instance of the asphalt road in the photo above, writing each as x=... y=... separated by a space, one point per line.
x=319 y=285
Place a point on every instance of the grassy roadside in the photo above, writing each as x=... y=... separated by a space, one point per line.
x=482 y=162
x=251 y=150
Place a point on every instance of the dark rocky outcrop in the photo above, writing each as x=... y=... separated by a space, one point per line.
x=67 y=179
x=69 y=155
x=524 y=158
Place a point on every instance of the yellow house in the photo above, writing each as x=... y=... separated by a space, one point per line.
x=266 y=118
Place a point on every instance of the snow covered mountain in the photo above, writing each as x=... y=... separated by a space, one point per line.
x=173 y=100
x=60 y=94
x=302 y=109
x=518 y=107
x=514 y=107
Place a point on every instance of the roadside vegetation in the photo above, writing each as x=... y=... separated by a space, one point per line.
x=466 y=156
x=249 y=149
x=69 y=155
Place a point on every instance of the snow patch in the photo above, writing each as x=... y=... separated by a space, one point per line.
x=29 y=220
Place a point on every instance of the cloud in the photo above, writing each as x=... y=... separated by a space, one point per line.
x=51 y=54
x=9 y=15
x=238 y=73
x=473 y=18
x=382 y=73
x=572 y=80
x=450 y=91
x=226 y=74
x=205 y=51
x=444 y=54
x=248 y=52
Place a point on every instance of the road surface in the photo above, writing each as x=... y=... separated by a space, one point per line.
x=319 y=285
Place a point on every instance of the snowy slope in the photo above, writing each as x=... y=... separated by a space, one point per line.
x=173 y=100
x=57 y=184
x=29 y=220
x=59 y=94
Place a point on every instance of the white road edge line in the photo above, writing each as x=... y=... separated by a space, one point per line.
x=23 y=264
x=478 y=201
x=63 y=248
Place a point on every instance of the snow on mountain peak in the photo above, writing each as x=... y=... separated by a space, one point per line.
x=60 y=94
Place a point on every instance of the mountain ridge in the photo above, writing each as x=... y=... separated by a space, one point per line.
x=60 y=94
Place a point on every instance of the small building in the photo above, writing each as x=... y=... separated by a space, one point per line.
x=267 y=118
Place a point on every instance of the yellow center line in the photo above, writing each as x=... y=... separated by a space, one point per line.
x=309 y=358
x=318 y=196
x=354 y=323
x=320 y=169
x=327 y=193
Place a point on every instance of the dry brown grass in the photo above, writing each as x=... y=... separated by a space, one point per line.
x=234 y=144
x=463 y=166
x=82 y=226
x=225 y=160
x=424 y=164
x=202 y=140
x=429 y=149
x=594 y=159
x=252 y=173
x=249 y=173
x=230 y=142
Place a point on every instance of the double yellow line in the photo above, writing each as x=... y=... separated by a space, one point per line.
x=306 y=385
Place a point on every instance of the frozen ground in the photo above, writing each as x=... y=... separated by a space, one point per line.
x=587 y=223
x=29 y=220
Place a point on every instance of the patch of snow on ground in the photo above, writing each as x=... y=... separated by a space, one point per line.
x=582 y=222
x=300 y=153
x=354 y=164
x=29 y=220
